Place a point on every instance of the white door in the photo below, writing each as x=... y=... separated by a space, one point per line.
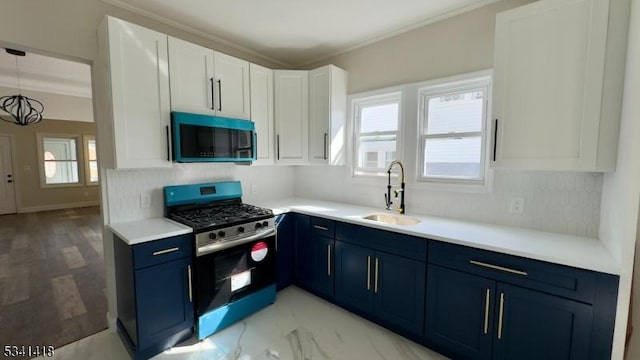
x=231 y=86
x=7 y=184
x=292 y=116
x=191 y=77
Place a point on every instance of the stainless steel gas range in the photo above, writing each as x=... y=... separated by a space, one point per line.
x=235 y=251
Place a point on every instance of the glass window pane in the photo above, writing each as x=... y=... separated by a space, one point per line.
x=456 y=112
x=64 y=172
x=93 y=171
x=379 y=118
x=453 y=157
x=376 y=147
x=91 y=144
x=60 y=148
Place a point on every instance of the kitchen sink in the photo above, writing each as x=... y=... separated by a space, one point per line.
x=392 y=219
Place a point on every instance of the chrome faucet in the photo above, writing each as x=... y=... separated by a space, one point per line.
x=387 y=196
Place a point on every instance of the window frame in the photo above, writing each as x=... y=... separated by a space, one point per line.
x=41 y=162
x=87 y=160
x=445 y=86
x=373 y=98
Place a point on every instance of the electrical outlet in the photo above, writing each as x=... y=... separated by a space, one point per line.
x=145 y=200
x=254 y=189
x=517 y=205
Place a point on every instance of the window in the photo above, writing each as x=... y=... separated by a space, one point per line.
x=453 y=130
x=60 y=155
x=376 y=127
x=66 y=159
x=91 y=163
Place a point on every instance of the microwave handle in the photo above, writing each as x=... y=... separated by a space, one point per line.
x=255 y=145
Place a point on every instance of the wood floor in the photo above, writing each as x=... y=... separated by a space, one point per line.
x=52 y=277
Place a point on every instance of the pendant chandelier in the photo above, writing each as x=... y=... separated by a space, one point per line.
x=22 y=110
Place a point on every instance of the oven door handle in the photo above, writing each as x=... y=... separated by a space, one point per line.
x=206 y=249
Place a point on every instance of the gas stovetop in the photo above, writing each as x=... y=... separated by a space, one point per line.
x=215 y=216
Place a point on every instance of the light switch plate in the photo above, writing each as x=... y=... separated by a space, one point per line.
x=145 y=200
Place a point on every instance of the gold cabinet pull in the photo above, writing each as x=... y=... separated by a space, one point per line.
x=190 y=286
x=165 y=251
x=368 y=273
x=496 y=267
x=487 y=297
x=500 y=316
x=321 y=227
x=329 y=260
x=375 y=285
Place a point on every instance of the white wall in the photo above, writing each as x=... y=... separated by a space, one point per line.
x=621 y=192
x=56 y=106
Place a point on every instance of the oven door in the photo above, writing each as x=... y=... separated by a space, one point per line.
x=227 y=275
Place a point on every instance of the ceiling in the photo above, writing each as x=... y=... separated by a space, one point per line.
x=298 y=32
x=45 y=74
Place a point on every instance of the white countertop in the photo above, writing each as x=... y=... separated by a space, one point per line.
x=136 y=232
x=576 y=251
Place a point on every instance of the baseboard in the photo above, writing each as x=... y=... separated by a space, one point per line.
x=30 y=209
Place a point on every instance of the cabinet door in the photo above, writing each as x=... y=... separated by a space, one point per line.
x=303 y=275
x=262 y=112
x=399 y=285
x=459 y=312
x=191 y=75
x=231 y=86
x=327 y=115
x=163 y=297
x=354 y=283
x=547 y=91
x=323 y=264
x=292 y=116
x=533 y=325
x=140 y=95
x=285 y=245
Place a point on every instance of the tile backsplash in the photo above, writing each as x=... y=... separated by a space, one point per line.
x=124 y=187
x=560 y=202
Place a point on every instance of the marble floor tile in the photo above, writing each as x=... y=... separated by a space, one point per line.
x=4 y=265
x=20 y=242
x=298 y=326
x=67 y=298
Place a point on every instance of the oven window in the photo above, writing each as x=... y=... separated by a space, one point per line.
x=214 y=142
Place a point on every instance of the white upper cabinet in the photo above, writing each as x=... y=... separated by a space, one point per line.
x=134 y=71
x=292 y=116
x=232 y=86
x=327 y=115
x=558 y=73
x=207 y=82
x=191 y=75
x=262 y=112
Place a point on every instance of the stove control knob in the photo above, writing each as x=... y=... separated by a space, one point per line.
x=265 y=223
x=258 y=225
x=240 y=229
x=212 y=236
x=221 y=233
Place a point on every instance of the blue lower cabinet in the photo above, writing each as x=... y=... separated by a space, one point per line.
x=472 y=317
x=314 y=250
x=323 y=272
x=387 y=287
x=459 y=313
x=154 y=294
x=285 y=247
x=534 y=325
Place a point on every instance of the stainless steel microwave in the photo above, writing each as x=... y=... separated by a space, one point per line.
x=204 y=138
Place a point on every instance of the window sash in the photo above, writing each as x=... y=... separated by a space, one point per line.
x=451 y=89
